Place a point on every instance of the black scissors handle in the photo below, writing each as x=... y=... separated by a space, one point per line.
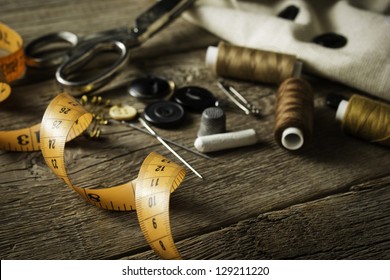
x=50 y=50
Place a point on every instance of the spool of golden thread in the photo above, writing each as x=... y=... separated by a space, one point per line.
x=250 y=64
x=365 y=118
x=294 y=114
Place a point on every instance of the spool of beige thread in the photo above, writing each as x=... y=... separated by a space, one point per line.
x=365 y=118
x=251 y=64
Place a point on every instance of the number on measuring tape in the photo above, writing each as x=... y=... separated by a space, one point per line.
x=160 y=168
x=154 y=223
x=64 y=110
x=152 y=201
x=154 y=182
x=56 y=124
x=94 y=197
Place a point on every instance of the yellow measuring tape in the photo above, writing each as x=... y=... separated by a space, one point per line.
x=65 y=119
x=12 y=64
x=12 y=67
x=149 y=194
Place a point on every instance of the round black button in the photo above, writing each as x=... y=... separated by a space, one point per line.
x=290 y=12
x=195 y=99
x=331 y=40
x=164 y=113
x=150 y=88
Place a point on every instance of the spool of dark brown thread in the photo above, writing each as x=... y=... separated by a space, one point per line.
x=294 y=114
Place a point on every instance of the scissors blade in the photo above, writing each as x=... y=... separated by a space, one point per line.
x=158 y=16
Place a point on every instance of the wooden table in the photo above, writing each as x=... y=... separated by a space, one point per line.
x=328 y=201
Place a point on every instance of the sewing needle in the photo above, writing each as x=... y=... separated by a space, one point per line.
x=164 y=138
x=145 y=124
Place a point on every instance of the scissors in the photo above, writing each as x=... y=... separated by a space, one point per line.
x=70 y=53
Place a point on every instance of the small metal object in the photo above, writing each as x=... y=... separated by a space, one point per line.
x=95 y=106
x=213 y=121
x=239 y=100
x=145 y=124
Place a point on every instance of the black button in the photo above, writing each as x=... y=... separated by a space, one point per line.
x=164 y=113
x=150 y=88
x=290 y=12
x=331 y=40
x=195 y=99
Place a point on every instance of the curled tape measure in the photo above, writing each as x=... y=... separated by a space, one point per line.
x=12 y=64
x=12 y=67
x=64 y=120
x=148 y=194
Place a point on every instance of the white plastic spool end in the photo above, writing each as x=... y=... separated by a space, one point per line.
x=211 y=56
x=341 y=109
x=292 y=138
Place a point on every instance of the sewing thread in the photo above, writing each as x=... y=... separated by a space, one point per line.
x=294 y=113
x=367 y=119
x=253 y=65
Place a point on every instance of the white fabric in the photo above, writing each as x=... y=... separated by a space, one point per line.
x=364 y=63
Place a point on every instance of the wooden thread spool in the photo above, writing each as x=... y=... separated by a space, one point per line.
x=294 y=114
x=251 y=64
x=365 y=118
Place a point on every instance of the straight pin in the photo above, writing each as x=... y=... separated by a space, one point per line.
x=145 y=124
x=243 y=104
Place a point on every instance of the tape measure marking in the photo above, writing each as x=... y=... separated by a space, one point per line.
x=21 y=140
x=12 y=65
x=149 y=194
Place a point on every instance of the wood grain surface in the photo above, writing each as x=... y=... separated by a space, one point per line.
x=328 y=201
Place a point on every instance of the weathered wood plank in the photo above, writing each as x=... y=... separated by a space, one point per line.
x=327 y=228
x=43 y=219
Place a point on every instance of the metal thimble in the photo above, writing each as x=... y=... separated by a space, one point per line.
x=213 y=121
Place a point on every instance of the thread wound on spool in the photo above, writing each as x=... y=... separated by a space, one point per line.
x=367 y=119
x=294 y=109
x=253 y=65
